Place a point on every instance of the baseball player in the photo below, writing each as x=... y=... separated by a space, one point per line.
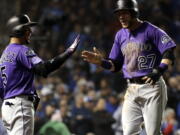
x=18 y=65
x=143 y=52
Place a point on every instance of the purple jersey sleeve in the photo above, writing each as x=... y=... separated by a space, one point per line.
x=116 y=53
x=28 y=58
x=162 y=40
x=1 y=87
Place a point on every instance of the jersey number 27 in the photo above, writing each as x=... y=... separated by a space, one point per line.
x=146 y=62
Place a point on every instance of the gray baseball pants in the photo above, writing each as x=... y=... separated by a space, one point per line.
x=18 y=116
x=144 y=104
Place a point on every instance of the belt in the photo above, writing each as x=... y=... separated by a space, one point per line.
x=137 y=80
x=27 y=97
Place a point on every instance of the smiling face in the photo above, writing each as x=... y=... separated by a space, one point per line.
x=125 y=18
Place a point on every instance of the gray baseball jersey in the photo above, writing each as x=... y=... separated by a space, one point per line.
x=140 y=51
x=16 y=63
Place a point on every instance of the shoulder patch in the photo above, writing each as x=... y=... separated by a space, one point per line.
x=30 y=52
x=165 y=39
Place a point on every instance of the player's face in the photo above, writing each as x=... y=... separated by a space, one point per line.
x=28 y=35
x=125 y=18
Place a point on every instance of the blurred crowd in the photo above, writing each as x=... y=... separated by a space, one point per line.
x=80 y=98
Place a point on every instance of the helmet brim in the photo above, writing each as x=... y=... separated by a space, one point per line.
x=124 y=9
x=116 y=10
x=31 y=24
x=135 y=10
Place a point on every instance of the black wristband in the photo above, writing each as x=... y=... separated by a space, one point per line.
x=162 y=68
x=106 y=64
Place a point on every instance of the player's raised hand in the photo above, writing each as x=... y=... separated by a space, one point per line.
x=75 y=44
x=94 y=56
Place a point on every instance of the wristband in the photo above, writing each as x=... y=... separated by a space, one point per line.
x=163 y=67
x=106 y=64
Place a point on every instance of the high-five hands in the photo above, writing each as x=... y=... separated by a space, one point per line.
x=94 y=56
x=74 y=45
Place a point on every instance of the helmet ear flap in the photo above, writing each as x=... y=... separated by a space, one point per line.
x=18 y=31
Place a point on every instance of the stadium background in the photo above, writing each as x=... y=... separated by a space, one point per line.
x=75 y=93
